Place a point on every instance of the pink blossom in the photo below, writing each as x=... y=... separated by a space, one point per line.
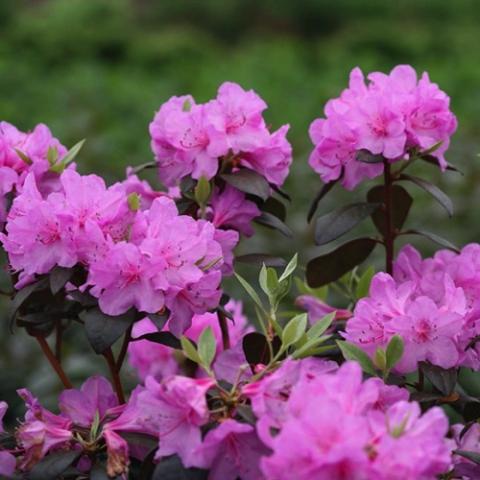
x=150 y=358
x=272 y=158
x=95 y=397
x=190 y=139
x=41 y=431
x=241 y=117
x=174 y=410
x=337 y=426
x=394 y=115
x=230 y=451
x=36 y=239
x=230 y=209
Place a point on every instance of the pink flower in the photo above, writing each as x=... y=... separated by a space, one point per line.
x=41 y=431
x=36 y=239
x=272 y=158
x=394 y=115
x=8 y=464
x=230 y=209
x=190 y=139
x=230 y=451
x=94 y=398
x=429 y=335
x=241 y=117
x=149 y=358
x=174 y=410
x=125 y=279
x=337 y=426
x=410 y=445
x=184 y=141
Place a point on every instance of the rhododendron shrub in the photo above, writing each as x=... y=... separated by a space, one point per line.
x=347 y=373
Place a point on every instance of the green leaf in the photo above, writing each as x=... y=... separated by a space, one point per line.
x=433 y=148
x=380 y=359
x=401 y=204
x=58 y=278
x=363 y=285
x=72 y=153
x=331 y=266
x=294 y=330
x=271 y=221
x=365 y=156
x=433 y=190
x=269 y=282
x=68 y=158
x=207 y=347
x=104 y=330
x=133 y=201
x=25 y=158
x=394 y=351
x=290 y=268
x=189 y=350
x=202 y=191
x=249 y=289
x=321 y=326
x=341 y=220
x=52 y=155
x=352 y=352
x=248 y=181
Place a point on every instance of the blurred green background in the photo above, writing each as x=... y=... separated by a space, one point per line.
x=98 y=69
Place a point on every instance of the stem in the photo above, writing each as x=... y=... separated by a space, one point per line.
x=58 y=341
x=389 y=236
x=53 y=361
x=222 y=320
x=124 y=349
x=115 y=376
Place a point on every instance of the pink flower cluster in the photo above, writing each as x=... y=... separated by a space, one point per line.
x=147 y=259
x=433 y=304
x=190 y=139
x=159 y=361
x=21 y=153
x=393 y=115
x=328 y=424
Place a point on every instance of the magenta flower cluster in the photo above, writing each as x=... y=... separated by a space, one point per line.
x=144 y=259
x=395 y=115
x=433 y=304
x=190 y=139
x=129 y=264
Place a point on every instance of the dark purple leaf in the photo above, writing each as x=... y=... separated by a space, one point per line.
x=365 y=156
x=433 y=190
x=104 y=330
x=268 y=220
x=331 y=266
x=53 y=465
x=318 y=197
x=401 y=203
x=340 y=221
x=444 y=380
x=248 y=181
x=165 y=338
x=432 y=237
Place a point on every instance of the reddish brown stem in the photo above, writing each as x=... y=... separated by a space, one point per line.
x=117 y=384
x=58 y=341
x=124 y=349
x=389 y=237
x=53 y=361
x=222 y=320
